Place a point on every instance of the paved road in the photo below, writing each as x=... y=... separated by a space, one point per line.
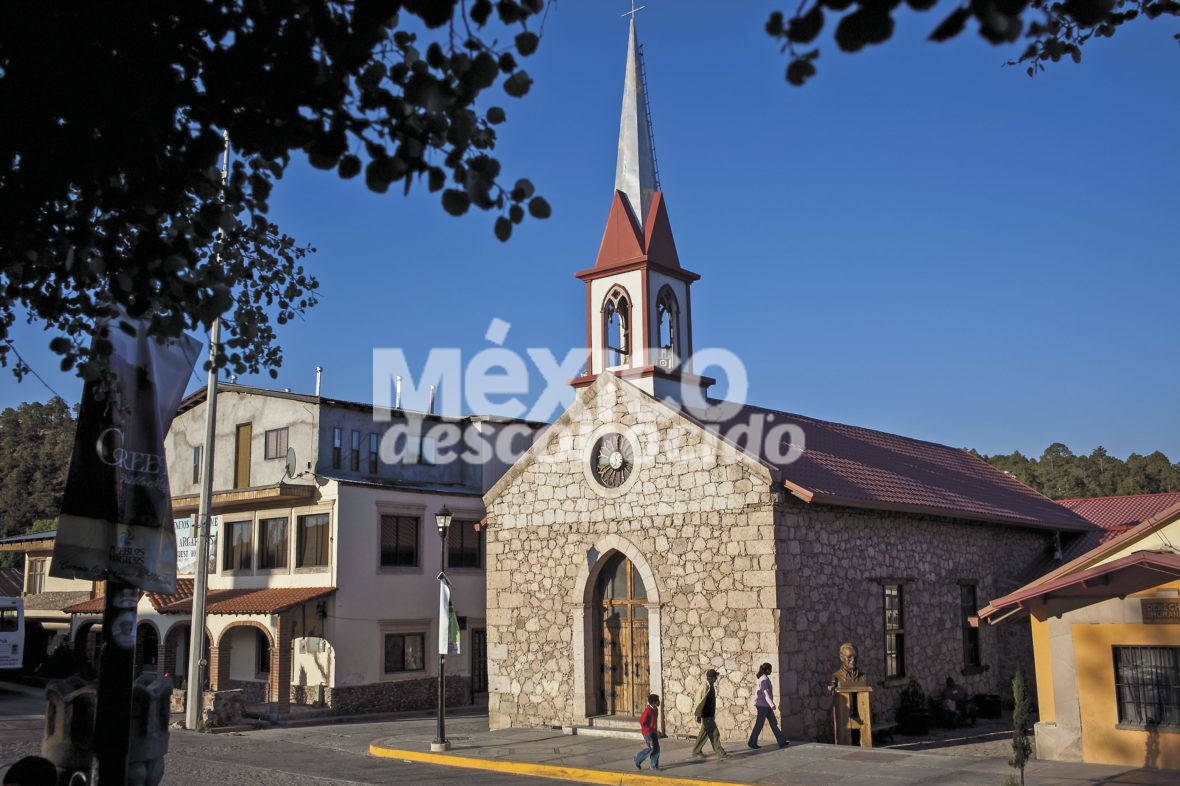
x=309 y=756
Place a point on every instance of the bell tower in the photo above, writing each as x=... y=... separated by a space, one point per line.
x=638 y=306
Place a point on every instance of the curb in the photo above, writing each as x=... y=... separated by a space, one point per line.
x=580 y=774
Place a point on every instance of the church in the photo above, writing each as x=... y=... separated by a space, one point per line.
x=653 y=533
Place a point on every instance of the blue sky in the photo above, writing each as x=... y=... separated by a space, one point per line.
x=920 y=240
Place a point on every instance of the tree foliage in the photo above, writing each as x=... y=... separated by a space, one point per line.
x=35 y=445
x=1022 y=745
x=1054 y=28
x=1059 y=474
x=110 y=188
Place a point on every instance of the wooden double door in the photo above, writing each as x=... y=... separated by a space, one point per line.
x=622 y=603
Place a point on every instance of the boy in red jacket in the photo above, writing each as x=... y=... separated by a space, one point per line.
x=649 y=725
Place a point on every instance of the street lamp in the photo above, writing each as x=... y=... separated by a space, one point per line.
x=442 y=519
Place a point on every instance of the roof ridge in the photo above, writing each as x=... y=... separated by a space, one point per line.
x=1119 y=496
x=838 y=423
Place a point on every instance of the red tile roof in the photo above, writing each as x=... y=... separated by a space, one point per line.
x=860 y=467
x=1125 y=511
x=1134 y=572
x=1082 y=565
x=270 y=600
x=259 y=601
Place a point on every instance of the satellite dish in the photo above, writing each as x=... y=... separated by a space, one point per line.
x=291 y=465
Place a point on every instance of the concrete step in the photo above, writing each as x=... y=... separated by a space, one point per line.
x=626 y=722
x=599 y=731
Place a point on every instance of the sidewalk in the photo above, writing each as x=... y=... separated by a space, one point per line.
x=552 y=754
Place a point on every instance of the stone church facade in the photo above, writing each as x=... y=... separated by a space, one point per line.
x=735 y=570
x=652 y=533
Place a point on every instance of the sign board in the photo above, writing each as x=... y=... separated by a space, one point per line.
x=1161 y=611
x=186 y=545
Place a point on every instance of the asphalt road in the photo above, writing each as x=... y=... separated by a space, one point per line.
x=316 y=755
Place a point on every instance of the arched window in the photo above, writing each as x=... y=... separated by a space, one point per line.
x=616 y=323
x=667 y=328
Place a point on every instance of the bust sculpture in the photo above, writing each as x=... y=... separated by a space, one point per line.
x=848 y=675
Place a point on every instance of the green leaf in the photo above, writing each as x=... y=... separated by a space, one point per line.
x=455 y=202
x=518 y=84
x=804 y=29
x=522 y=190
x=350 y=166
x=952 y=25
x=799 y=71
x=480 y=11
x=516 y=214
x=496 y=115
x=503 y=228
x=774 y=25
x=526 y=43
x=539 y=208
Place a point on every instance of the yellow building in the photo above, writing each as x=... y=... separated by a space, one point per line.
x=1106 y=639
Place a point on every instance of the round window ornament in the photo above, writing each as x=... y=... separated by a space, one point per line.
x=612 y=460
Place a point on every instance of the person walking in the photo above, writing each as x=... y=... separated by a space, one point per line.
x=764 y=704
x=705 y=710
x=650 y=726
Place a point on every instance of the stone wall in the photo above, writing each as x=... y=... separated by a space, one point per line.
x=832 y=565
x=699 y=530
x=402 y=696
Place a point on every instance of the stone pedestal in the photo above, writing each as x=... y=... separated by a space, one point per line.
x=851 y=712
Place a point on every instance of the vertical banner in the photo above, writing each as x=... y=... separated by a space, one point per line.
x=116 y=513
x=448 y=622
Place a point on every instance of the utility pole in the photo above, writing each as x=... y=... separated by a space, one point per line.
x=194 y=698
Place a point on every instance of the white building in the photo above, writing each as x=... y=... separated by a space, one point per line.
x=322 y=581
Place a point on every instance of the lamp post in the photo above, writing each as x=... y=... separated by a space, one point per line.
x=442 y=520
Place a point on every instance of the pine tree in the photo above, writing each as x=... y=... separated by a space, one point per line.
x=1022 y=744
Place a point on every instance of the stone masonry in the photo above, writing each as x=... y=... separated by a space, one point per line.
x=737 y=572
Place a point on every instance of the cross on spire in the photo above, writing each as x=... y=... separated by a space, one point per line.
x=631 y=13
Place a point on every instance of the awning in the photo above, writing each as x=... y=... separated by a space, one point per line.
x=1124 y=576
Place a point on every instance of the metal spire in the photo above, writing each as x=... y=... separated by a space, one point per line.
x=636 y=174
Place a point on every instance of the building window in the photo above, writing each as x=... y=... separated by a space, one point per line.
x=272 y=543
x=464 y=545
x=616 y=325
x=276 y=443
x=1147 y=686
x=372 y=453
x=237 y=555
x=399 y=540
x=197 y=464
x=312 y=549
x=969 y=618
x=355 y=460
x=419 y=450
x=667 y=328
x=35 y=580
x=405 y=652
x=337 y=444
x=894 y=631
x=262 y=647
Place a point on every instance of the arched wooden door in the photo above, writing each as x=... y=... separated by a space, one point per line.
x=622 y=600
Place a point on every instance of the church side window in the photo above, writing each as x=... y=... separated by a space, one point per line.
x=894 y=631
x=970 y=626
x=616 y=323
x=667 y=328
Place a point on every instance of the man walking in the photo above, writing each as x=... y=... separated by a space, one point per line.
x=705 y=710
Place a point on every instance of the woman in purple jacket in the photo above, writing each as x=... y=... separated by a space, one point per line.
x=764 y=703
